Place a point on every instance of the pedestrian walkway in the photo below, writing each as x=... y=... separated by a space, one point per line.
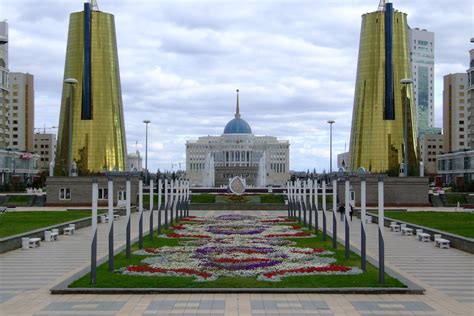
x=27 y=276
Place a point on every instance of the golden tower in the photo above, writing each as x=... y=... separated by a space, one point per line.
x=97 y=129
x=378 y=119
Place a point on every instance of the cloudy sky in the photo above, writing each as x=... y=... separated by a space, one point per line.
x=181 y=61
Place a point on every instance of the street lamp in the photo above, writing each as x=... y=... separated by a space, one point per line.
x=146 y=149
x=330 y=144
x=406 y=82
x=71 y=82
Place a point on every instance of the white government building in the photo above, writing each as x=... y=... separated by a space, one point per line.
x=260 y=160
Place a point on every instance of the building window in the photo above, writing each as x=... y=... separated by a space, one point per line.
x=65 y=193
x=103 y=193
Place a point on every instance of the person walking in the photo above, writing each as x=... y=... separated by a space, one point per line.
x=341 y=211
x=351 y=211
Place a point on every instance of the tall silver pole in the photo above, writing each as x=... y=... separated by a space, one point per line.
x=140 y=214
x=363 y=248
x=324 y=210
x=405 y=169
x=128 y=199
x=381 y=229
x=152 y=190
x=346 y=220
x=158 y=207
x=95 y=193
x=330 y=144
x=146 y=150
x=69 y=155
x=334 y=211
x=110 y=192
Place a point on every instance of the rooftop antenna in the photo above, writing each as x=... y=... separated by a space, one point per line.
x=382 y=5
x=94 y=5
x=237 y=108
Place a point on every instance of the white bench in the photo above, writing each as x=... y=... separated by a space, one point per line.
x=116 y=217
x=69 y=230
x=394 y=227
x=368 y=219
x=441 y=242
x=27 y=243
x=424 y=237
x=104 y=219
x=50 y=236
x=405 y=230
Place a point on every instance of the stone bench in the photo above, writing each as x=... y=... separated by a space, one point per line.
x=27 y=243
x=424 y=237
x=441 y=242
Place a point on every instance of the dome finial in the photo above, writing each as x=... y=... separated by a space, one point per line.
x=237 y=108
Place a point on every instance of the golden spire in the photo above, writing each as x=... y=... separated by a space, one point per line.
x=237 y=108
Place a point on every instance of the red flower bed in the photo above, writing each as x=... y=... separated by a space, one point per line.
x=152 y=250
x=329 y=268
x=315 y=250
x=178 y=227
x=302 y=234
x=175 y=235
x=278 y=221
x=232 y=260
x=160 y=270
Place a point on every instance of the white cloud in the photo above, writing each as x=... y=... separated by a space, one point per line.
x=181 y=61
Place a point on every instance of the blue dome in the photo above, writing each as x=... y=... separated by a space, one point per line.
x=237 y=126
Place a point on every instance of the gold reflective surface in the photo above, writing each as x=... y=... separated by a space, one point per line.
x=377 y=144
x=97 y=144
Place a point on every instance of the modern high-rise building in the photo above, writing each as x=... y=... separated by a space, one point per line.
x=22 y=111
x=4 y=88
x=97 y=129
x=431 y=145
x=45 y=147
x=455 y=112
x=470 y=76
x=378 y=120
x=422 y=46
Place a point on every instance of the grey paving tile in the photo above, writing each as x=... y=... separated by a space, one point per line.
x=79 y=306
x=5 y=297
x=398 y=306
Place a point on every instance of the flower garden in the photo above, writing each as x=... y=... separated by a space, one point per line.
x=237 y=251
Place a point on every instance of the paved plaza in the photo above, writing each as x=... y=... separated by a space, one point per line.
x=26 y=277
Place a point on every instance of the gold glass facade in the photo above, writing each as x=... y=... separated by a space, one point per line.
x=97 y=144
x=377 y=144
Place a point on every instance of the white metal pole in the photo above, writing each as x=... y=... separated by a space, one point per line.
x=140 y=214
x=110 y=192
x=128 y=208
x=346 y=219
x=152 y=191
x=95 y=194
x=324 y=210
x=334 y=213
x=381 y=229
x=363 y=216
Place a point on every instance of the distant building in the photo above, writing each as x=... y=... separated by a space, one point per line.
x=20 y=165
x=343 y=161
x=22 y=111
x=45 y=147
x=455 y=112
x=456 y=167
x=422 y=46
x=431 y=146
x=260 y=160
x=4 y=88
x=135 y=161
x=470 y=102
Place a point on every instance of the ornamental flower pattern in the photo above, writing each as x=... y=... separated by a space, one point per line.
x=237 y=246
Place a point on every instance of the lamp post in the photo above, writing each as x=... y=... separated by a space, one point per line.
x=330 y=144
x=146 y=149
x=406 y=82
x=71 y=82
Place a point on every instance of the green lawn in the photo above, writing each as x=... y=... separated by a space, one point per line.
x=203 y=198
x=106 y=279
x=457 y=223
x=454 y=198
x=13 y=223
x=272 y=198
x=19 y=200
